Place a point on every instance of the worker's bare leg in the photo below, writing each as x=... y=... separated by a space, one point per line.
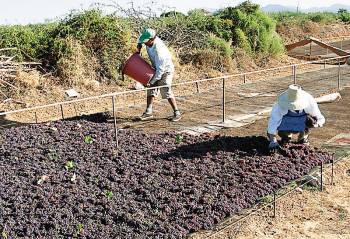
x=148 y=114
x=177 y=114
x=173 y=104
x=150 y=100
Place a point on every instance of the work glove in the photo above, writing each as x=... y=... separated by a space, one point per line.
x=311 y=121
x=274 y=147
x=139 y=47
x=316 y=125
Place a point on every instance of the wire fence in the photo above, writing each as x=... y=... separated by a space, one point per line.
x=304 y=74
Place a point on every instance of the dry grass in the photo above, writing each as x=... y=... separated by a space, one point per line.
x=79 y=69
x=31 y=79
x=294 y=33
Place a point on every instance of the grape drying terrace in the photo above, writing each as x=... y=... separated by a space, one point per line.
x=67 y=178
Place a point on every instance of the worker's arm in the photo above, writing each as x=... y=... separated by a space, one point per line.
x=315 y=112
x=275 y=120
x=138 y=48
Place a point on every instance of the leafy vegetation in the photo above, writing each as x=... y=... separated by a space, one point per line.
x=344 y=15
x=88 y=139
x=300 y=18
x=109 y=194
x=69 y=165
x=92 y=46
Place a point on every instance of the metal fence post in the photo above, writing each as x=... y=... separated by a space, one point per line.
x=115 y=121
x=274 y=204
x=310 y=50
x=295 y=74
x=332 y=175
x=244 y=78
x=223 y=101
x=341 y=44
x=197 y=86
x=321 y=177
x=36 y=117
x=338 y=74
x=61 y=106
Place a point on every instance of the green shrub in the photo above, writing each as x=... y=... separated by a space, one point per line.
x=323 y=17
x=107 y=37
x=220 y=45
x=31 y=40
x=241 y=40
x=344 y=17
x=252 y=29
x=88 y=45
x=299 y=18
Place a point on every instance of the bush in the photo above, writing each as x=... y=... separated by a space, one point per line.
x=300 y=18
x=220 y=45
x=242 y=40
x=106 y=37
x=253 y=30
x=91 y=45
x=344 y=17
x=324 y=17
x=31 y=40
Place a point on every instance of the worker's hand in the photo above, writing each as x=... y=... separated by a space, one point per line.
x=151 y=82
x=274 y=147
x=311 y=121
x=138 y=47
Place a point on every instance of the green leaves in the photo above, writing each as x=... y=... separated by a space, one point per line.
x=4 y=235
x=179 y=138
x=69 y=165
x=252 y=30
x=88 y=139
x=108 y=194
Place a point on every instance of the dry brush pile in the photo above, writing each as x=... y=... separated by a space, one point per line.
x=66 y=179
x=15 y=75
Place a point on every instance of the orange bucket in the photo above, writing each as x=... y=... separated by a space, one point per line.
x=138 y=69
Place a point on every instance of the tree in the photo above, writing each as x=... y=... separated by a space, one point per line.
x=342 y=10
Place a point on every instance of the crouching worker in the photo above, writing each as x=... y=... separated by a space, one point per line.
x=162 y=62
x=295 y=112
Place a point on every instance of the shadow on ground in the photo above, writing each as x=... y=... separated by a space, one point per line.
x=246 y=146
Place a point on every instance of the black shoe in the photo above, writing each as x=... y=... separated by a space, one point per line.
x=145 y=116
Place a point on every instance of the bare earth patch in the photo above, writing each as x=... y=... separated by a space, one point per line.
x=309 y=214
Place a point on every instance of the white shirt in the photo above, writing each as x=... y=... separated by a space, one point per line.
x=161 y=59
x=278 y=112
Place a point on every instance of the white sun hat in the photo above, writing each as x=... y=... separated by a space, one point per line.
x=293 y=99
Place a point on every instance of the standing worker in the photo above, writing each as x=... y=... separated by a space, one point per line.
x=161 y=60
x=295 y=112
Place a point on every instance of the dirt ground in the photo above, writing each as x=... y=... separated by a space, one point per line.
x=292 y=33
